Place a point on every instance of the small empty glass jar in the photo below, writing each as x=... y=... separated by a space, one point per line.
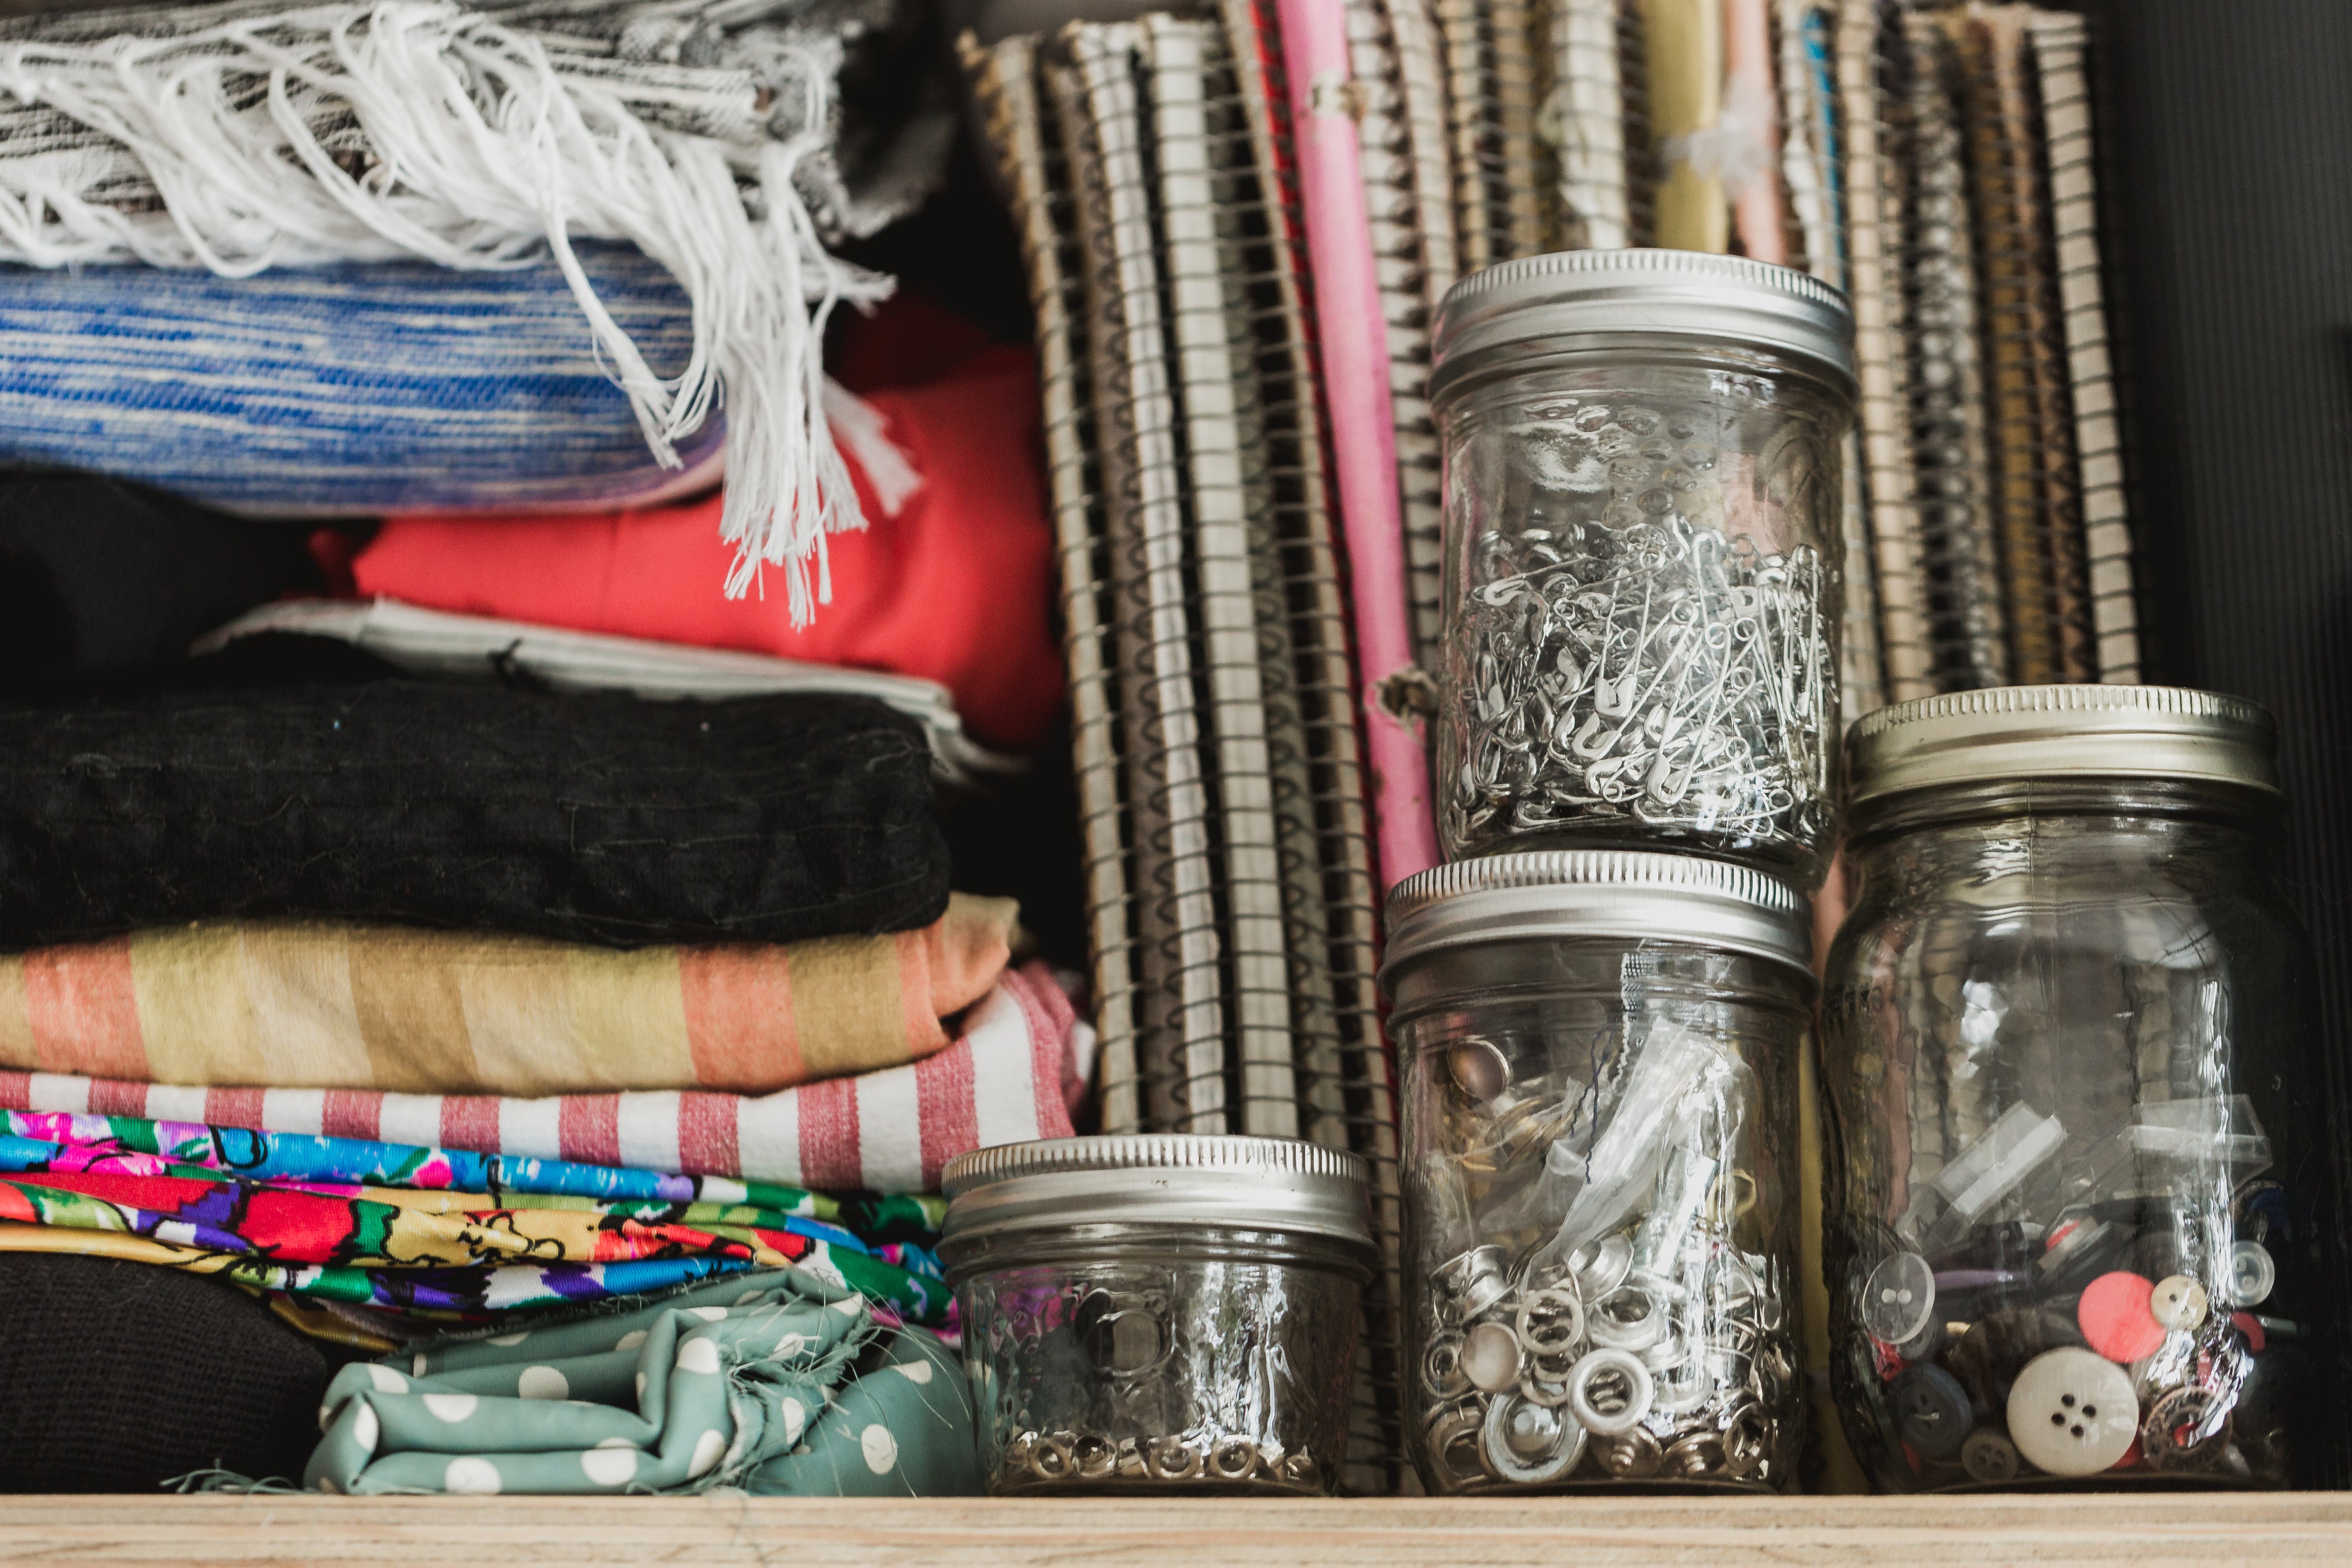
x=1599 y=1053
x=1160 y=1312
x=2070 y=1191
x=1642 y=587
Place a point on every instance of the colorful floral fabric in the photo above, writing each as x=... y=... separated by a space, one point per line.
x=773 y=1381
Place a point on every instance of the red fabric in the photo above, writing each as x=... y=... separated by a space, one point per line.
x=958 y=587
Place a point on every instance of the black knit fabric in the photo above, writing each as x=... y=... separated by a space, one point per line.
x=99 y=578
x=593 y=818
x=120 y=1376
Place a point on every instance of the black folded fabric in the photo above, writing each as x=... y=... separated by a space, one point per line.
x=119 y=1376
x=591 y=818
x=99 y=579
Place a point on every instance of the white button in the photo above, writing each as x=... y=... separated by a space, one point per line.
x=2072 y=1412
x=2252 y=1275
x=1896 y=1301
x=2178 y=1302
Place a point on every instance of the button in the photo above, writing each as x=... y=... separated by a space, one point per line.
x=2178 y=1302
x=2116 y=1317
x=2252 y=1275
x=1491 y=1357
x=1932 y=1409
x=2072 y=1412
x=1480 y=1068
x=1989 y=1455
x=1898 y=1298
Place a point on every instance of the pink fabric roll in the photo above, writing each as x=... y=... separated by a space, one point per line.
x=1353 y=333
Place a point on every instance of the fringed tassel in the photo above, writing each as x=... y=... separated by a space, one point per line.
x=415 y=128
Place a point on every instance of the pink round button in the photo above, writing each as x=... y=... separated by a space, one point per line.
x=2116 y=1318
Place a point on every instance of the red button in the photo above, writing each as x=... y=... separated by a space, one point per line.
x=2115 y=1319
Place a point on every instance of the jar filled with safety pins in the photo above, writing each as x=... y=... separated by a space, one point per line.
x=1599 y=1056
x=1160 y=1312
x=1642 y=588
x=2071 y=1225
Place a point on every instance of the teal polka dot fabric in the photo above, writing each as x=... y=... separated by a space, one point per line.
x=775 y=1383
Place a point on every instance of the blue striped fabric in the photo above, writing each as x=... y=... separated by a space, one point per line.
x=366 y=386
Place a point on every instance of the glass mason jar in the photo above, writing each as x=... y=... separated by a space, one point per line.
x=2070 y=1191
x=1599 y=1053
x=1642 y=583
x=1160 y=1312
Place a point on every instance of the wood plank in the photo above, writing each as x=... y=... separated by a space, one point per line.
x=2147 y=1530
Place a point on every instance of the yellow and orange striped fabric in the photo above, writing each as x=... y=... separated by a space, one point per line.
x=319 y=1004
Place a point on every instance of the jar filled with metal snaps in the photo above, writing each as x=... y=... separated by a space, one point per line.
x=1641 y=591
x=2070 y=1200
x=1160 y=1312
x=1599 y=1054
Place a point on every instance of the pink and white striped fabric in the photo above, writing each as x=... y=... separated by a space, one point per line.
x=1001 y=1081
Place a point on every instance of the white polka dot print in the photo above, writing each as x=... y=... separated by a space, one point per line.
x=451 y=1406
x=795 y=1415
x=631 y=1339
x=471 y=1477
x=610 y=1466
x=881 y=1448
x=543 y=1383
x=697 y=1355
x=366 y=1429
x=916 y=1372
x=386 y=1381
x=709 y=1449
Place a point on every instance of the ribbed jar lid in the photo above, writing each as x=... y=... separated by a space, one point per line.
x=1244 y=1184
x=1529 y=305
x=1625 y=894
x=2060 y=732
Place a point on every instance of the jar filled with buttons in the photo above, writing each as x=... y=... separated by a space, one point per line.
x=1640 y=597
x=2070 y=1205
x=1160 y=1312
x=1598 y=1052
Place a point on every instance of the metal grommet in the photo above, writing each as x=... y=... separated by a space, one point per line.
x=1601 y=1267
x=1747 y=1440
x=1630 y=1317
x=1440 y=1367
x=1171 y=1460
x=1551 y=1320
x=1472 y=1281
x=1094 y=1458
x=1616 y=1377
x=1232 y=1459
x=1552 y=1394
x=1049 y=1458
x=1450 y=1438
x=1697 y=1458
x=1529 y=1444
x=1301 y=1470
x=1631 y=1456
x=1130 y=1460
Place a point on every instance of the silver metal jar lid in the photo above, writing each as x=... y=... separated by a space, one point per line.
x=2060 y=732
x=1157 y=1178
x=1626 y=895
x=1530 y=304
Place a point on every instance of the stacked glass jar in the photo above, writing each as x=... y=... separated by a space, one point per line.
x=1598 y=1040
x=2066 y=1044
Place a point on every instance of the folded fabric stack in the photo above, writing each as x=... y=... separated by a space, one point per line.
x=412 y=1006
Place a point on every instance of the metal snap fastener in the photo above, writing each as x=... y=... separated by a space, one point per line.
x=2177 y=1302
x=1451 y=1441
x=1530 y=1444
x=1551 y=1320
x=1933 y=1410
x=1232 y=1459
x=1173 y=1459
x=1601 y=1267
x=1491 y=1357
x=1474 y=1281
x=1900 y=1298
x=1989 y=1455
x=1049 y=1456
x=1609 y=1392
x=1630 y=1317
x=1093 y=1457
x=1479 y=1067
x=1301 y=1470
x=1696 y=1458
x=2252 y=1275
x=1631 y=1456
x=1747 y=1440
x=1440 y=1367
x=2072 y=1412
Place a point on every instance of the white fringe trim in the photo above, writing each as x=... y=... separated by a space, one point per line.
x=483 y=148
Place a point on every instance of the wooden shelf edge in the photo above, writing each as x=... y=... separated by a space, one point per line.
x=2147 y=1530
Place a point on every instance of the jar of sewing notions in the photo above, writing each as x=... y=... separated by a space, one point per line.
x=1160 y=1312
x=1642 y=587
x=1599 y=1056
x=2070 y=1217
